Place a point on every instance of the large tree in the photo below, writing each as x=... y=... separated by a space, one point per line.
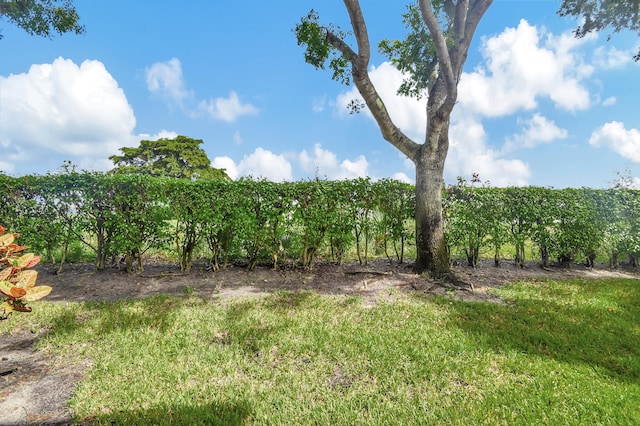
x=42 y=17
x=431 y=56
x=181 y=157
x=598 y=15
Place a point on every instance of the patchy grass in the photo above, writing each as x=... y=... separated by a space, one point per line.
x=555 y=353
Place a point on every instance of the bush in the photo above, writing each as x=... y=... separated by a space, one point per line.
x=17 y=282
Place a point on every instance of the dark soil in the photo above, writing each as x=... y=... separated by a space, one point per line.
x=35 y=386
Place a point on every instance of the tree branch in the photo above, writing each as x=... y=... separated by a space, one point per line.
x=343 y=47
x=477 y=9
x=359 y=70
x=460 y=17
x=440 y=44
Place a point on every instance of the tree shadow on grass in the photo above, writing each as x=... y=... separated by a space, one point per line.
x=255 y=335
x=159 y=313
x=601 y=336
x=212 y=413
x=103 y=318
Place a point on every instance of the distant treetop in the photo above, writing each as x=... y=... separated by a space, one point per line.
x=181 y=157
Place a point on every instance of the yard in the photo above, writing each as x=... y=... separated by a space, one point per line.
x=335 y=345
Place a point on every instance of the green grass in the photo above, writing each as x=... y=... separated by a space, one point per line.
x=556 y=353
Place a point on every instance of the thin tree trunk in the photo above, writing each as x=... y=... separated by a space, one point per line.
x=544 y=255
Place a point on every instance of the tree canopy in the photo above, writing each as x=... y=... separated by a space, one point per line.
x=42 y=17
x=181 y=157
x=599 y=15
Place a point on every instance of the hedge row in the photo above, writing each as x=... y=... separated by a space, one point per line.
x=563 y=226
x=255 y=221
x=116 y=216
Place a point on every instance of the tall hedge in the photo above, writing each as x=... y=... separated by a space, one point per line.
x=256 y=221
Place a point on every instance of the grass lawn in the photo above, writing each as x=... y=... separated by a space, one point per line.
x=556 y=353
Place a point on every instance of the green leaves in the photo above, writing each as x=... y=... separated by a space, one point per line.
x=598 y=15
x=563 y=225
x=262 y=222
x=318 y=47
x=42 y=17
x=415 y=56
x=309 y=33
x=181 y=157
x=473 y=218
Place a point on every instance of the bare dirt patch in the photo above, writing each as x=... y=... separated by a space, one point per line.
x=35 y=386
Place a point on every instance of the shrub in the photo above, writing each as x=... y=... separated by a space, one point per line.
x=17 y=282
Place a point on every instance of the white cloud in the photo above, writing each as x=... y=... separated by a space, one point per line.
x=609 y=101
x=320 y=163
x=622 y=141
x=608 y=57
x=520 y=68
x=6 y=167
x=536 y=130
x=63 y=111
x=261 y=163
x=167 y=80
x=264 y=163
x=323 y=163
x=353 y=169
x=409 y=114
x=468 y=151
x=468 y=154
x=318 y=104
x=627 y=182
x=237 y=138
x=162 y=134
x=317 y=162
x=226 y=109
x=228 y=164
x=402 y=177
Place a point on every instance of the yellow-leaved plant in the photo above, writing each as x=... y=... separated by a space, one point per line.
x=17 y=282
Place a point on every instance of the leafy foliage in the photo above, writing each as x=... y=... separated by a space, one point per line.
x=186 y=206
x=598 y=15
x=42 y=17
x=396 y=202
x=414 y=56
x=181 y=157
x=17 y=282
x=471 y=217
x=317 y=40
x=142 y=217
x=261 y=222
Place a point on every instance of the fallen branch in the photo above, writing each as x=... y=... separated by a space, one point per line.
x=368 y=272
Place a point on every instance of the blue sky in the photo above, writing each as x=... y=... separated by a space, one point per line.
x=535 y=107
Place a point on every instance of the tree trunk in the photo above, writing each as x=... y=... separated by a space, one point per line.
x=613 y=262
x=520 y=255
x=544 y=255
x=451 y=45
x=101 y=251
x=431 y=251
